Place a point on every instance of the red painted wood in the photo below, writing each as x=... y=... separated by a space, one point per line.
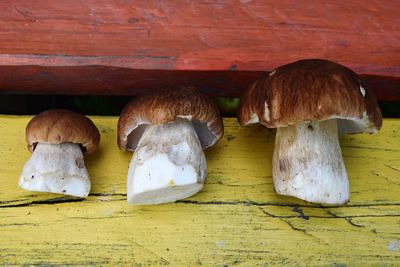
x=102 y=80
x=118 y=81
x=384 y=88
x=43 y=39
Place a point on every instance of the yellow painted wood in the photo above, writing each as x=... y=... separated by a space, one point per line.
x=236 y=220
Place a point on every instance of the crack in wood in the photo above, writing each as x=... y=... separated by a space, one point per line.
x=333 y=216
x=19 y=224
x=272 y=215
x=304 y=231
x=347 y=218
x=82 y=58
x=50 y=201
x=249 y=203
x=24 y=13
x=237 y=185
x=384 y=177
x=12 y=201
x=97 y=218
x=393 y=168
x=371 y=148
x=107 y=194
x=248 y=251
x=163 y=261
x=295 y=207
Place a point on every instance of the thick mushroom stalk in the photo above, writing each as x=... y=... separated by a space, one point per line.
x=168 y=164
x=56 y=169
x=308 y=163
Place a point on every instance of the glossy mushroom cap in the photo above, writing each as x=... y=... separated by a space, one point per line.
x=58 y=126
x=165 y=106
x=311 y=90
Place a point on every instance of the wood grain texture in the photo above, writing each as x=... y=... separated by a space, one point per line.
x=236 y=220
x=190 y=36
x=103 y=80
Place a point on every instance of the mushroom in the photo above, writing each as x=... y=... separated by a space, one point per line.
x=58 y=140
x=310 y=102
x=168 y=131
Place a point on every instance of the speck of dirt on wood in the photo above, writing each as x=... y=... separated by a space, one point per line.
x=230 y=137
x=301 y=213
x=394 y=245
x=233 y=67
x=220 y=243
x=133 y=20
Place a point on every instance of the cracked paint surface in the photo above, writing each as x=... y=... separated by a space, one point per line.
x=237 y=219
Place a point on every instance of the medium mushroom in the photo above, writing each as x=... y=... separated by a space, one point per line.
x=58 y=140
x=168 y=131
x=310 y=102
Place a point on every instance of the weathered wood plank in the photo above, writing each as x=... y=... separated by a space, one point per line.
x=103 y=80
x=236 y=220
x=189 y=36
x=253 y=35
x=96 y=233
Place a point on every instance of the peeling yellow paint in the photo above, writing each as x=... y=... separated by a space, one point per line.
x=237 y=219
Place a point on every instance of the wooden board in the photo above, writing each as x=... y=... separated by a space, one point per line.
x=53 y=44
x=236 y=220
x=103 y=80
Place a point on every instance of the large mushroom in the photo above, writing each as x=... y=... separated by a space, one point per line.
x=168 y=131
x=58 y=140
x=310 y=102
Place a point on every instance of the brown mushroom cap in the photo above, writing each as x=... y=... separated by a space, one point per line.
x=58 y=126
x=165 y=106
x=311 y=90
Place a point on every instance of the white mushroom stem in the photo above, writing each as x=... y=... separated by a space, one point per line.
x=168 y=164
x=308 y=163
x=56 y=169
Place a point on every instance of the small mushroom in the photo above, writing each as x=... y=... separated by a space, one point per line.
x=309 y=102
x=58 y=140
x=168 y=131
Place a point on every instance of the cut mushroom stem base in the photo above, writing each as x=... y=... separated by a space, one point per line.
x=56 y=169
x=168 y=164
x=308 y=163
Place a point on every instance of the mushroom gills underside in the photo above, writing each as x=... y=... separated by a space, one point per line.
x=56 y=169
x=308 y=163
x=168 y=164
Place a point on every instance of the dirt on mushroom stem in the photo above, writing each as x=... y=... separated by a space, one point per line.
x=168 y=164
x=308 y=163
x=56 y=168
